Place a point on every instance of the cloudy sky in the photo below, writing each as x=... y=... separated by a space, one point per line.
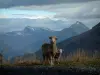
x=54 y=14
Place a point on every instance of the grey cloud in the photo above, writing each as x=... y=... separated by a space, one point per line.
x=11 y=3
x=67 y=10
x=86 y=11
x=78 y=16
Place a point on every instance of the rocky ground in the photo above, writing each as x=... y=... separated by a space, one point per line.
x=48 y=71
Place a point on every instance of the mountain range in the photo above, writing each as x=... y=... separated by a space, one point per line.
x=88 y=41
x=30 y=38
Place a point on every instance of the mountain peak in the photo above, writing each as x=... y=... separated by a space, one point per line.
x=28 y=29
x=77 y=22
x=79 y=27
x=31 y=29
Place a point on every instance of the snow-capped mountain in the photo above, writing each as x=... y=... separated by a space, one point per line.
x=29 y=31
x=36 y=29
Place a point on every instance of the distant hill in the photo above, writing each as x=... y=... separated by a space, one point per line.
x=75 y=29
x=89 y=41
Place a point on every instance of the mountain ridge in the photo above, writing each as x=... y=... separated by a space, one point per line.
x=29 y=40
x=89 y=41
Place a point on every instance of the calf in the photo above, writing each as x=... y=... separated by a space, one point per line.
x=58 y=55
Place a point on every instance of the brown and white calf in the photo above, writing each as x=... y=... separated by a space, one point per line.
x=57 y=57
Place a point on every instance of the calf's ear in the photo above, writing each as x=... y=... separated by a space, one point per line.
x=56 y=38
x=50 y=37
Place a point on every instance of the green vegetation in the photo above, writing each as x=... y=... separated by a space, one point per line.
x=80 y=58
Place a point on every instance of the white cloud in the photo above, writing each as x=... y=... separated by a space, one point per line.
x=3 y=16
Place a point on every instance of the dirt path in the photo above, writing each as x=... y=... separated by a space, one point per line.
x=48 y=71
